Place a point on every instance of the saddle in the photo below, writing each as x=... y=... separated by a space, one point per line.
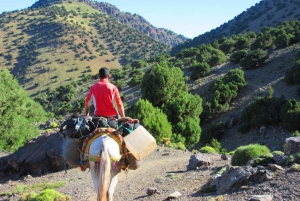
x=85 y=157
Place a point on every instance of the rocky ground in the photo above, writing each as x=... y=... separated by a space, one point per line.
x=165 y=170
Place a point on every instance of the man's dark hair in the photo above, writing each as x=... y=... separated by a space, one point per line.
x=103 y=72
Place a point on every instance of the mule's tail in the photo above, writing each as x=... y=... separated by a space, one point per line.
x=105 y=174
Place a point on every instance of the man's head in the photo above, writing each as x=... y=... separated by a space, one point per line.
x=104 y=73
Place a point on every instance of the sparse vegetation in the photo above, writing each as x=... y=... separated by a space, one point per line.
x=245 y=153
x=207 y=149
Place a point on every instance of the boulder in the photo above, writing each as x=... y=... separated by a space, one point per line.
x=232 y=177
x=40 y=155
x=292 y=145
x=235 y=177
x=280 y=159
x=198 y=160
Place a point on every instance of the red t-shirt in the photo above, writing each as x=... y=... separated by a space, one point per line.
x=103 y=94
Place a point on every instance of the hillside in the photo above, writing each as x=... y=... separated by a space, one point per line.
x=49 y=46
x=134 y=21
x=266 y=13
x=165 y=169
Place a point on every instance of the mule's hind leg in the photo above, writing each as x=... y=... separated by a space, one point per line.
x=115 y=171
x=94 y=175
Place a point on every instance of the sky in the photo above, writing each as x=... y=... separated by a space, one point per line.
x=186 y=17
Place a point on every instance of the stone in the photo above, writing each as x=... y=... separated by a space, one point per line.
x=268 y=175
x=292 y=145
x=280 y=159
x=274 y=167
x=224 y=157
x=198 y=160
x=261 y=198
x=232 y=177
x=151 y=191
x=174 y=195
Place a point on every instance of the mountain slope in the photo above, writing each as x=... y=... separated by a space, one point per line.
x=134 y=21
x=266 y=13
x=49 y=46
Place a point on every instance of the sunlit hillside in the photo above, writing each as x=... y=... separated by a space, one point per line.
x=50 y=46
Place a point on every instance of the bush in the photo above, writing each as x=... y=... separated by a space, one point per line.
x=48 y=194
x=292 y=75
x=254 y=59
x=277 y=153
x=162 y=83
x=296 y=134
x=217 y=146
x=214 y=131
x=245 y=153
x=222 y=91
x=262 y=160
x=18 y=114
x=236 y=56
x=152 y=118
x=262 y=111
x=294 y=158
x=207 y=149
x=199 y=70
x=188 y=131
x=290 y=115
x=178 y=145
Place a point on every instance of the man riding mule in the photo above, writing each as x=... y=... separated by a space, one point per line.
x=103 y=150
x=104 y=94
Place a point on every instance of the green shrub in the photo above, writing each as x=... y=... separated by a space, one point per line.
x=277 y=153
x=254 y=59
x=294 y=158
x=199 y=70
x=222 y=91
x=217 y=146
x=292 y=75
x=54 y=125
x=47 y=195
x=162 y=83
x=207 y=149
x=262 y=160
x=18 y=114
x=262 y=111
x=152 y=118
x=188 y=131
x=296 y=134
x=214 y=131
x=245 y=153
x=236 y=56
x=290 y=115
x=178 y=145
